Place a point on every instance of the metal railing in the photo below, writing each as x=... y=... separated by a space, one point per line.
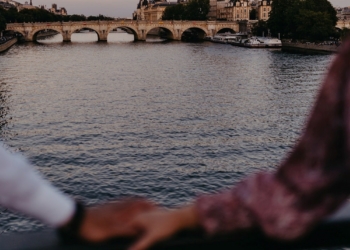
x=331 y=233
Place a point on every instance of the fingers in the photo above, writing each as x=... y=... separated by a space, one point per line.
x=146 y=241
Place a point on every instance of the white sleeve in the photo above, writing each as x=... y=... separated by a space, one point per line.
x=24 y=190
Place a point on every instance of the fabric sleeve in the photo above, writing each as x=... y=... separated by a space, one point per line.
x=24 y=190
x=310 y=184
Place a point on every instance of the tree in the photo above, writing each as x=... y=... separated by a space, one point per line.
x=282 y=17
x=197 y=10
x=314 y=26
x=2 y=23
x=323 y=6
x=99 y=17
x=260 y=28
x=302 y=19
x=193 y=10
x=345 y=33
x=175 y=12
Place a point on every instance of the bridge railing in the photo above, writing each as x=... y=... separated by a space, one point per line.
x=331 y=233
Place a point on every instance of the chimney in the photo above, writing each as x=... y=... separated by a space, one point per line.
x=31 y=2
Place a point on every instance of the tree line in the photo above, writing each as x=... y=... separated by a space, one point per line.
x=192 y=10
x=312 y=20
x=40 y=15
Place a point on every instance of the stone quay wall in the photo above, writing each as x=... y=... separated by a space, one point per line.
x=309 y=47
x=7 y=45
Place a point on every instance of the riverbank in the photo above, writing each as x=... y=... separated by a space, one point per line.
x=309 y=47
x=5 y=46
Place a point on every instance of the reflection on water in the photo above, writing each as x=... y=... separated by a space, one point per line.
x=167 y=121
x=51 y=39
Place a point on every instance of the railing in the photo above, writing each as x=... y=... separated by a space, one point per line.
x=333 y=232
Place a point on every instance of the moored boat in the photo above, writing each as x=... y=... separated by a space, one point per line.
x=258 y=42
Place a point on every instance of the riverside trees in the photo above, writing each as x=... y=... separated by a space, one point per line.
x=41 y=15
x=2 y=23
x=313 y=20
x=193 y=10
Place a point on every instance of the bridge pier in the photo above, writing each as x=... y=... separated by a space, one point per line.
x=142 y=35
x=67 y=36
x=177 y=35
x=102 y=37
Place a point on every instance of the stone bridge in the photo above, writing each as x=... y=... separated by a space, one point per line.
x=172 y=29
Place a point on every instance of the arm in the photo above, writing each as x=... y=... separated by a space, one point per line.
x=309 y=185
x=24 y=190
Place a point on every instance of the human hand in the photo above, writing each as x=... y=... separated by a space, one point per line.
x=158 y=225
x=109 y=220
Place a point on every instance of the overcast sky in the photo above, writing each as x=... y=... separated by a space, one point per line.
x=114 y=8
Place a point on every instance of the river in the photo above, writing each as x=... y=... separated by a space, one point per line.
x=167 y=121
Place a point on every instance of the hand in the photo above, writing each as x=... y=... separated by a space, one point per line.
x=109 y=220
x=159 y=225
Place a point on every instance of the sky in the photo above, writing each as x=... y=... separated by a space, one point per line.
x=114 y=8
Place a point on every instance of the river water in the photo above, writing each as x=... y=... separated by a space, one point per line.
x=167 y=121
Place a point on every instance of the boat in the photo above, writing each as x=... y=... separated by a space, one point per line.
x=271 y=42
x=258 y=42
x=226 y=38
x=218 y=39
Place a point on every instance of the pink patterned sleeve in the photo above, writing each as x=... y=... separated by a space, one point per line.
x=310 y=184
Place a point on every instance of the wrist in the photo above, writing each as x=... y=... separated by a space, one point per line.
x=70 y=231
x=186 y=218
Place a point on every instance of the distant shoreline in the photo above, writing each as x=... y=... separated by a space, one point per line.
x=309 y=47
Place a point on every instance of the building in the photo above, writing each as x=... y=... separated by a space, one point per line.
x=220 y=6
x=235 y=10
x=264 y=9
x=27 y=5
x=212 y=10
x=343 y=13
x=151 y=10
x=62 y=11
x=6 y=5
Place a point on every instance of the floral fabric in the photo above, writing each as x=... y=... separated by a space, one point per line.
x=311 y=183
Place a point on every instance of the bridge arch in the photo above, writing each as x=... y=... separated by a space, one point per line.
x=226 y=29
x=126 y=28
x=86 y=28
x=17 y=31
x=33 y=35
x=168 y=32
x=200 y=33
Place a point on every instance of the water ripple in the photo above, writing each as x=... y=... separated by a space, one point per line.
x=166 y=121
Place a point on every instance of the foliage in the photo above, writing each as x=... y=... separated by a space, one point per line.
x=253 y=15
x=303 y=19
x=2 y=23
x=99 y=17
x=260 y=28
x=174 y=12
x=314 y=25
x=344 y=33
x=41 y=15
x=193 y=10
